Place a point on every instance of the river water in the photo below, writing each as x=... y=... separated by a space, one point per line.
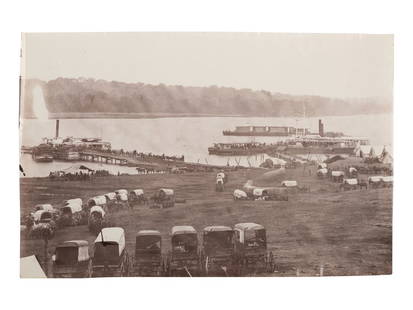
x=188 y=136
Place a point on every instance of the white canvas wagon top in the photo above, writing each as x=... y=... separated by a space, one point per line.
x=148 y=232
x=217 y=228
x=97 y=200
x=167 y=191
x=240 y=194
x=387 y=179
x=176 y=230
x=220 y=175
x=375 y=178
x=350 y=181
x=110 y=196
x=352 y=169
x=137 y=192
x=121 y=191
x=75 y=201
x=123 y=197
x=112 y=234
x=38 y=214
x=45 y=207
x=257 y=191
x=289 y=183
x=322 y=170
x=73 y=208
x=248 y=226
x=337 y=173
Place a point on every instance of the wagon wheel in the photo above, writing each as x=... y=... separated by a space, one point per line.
x=168 y=271
x=240 y=267
x=206 y=266
x=127 y=267
x=270 y=262
x=89 y=269
x=163 y=268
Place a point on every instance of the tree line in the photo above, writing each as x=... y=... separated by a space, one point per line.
x=64 y=95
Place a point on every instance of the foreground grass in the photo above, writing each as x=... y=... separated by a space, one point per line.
x=345 y=233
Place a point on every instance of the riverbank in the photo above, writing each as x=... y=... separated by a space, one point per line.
x=347 y=233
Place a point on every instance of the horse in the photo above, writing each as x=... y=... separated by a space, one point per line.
x=362 y=183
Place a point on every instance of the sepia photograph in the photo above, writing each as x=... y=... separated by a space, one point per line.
x=205 y=154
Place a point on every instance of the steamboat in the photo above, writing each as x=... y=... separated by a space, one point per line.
x=303 y=143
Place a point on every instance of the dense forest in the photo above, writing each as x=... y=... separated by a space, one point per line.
x=81 y=95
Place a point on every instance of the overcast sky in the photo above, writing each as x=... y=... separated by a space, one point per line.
x=313 y=64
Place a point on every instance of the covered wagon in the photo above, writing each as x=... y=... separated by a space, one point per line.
x=75 y=201
x=184 y=258
x=375 y=181
x=289 y=184
x=96 y=220
x=97 y=201
x=110 y=257
x=137 y=196
x=251 y=253
x=218 y=251
x=349 y=184
x=72 y=213
x=42 y=216
x=71 y=260
x=270 y=193
x=387 y=181
x=337 y=176
x=148 y=259
x=322 y=173
x=42 y=225
x=352 y=172
x=122 y=198
x=219 y=185
x=44 y=207
x=121 y=192
x=111 y=200
x=164 y=198
x=110 y=197
x=240 y=195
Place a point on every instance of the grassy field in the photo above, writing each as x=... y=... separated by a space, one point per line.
x=347 y=233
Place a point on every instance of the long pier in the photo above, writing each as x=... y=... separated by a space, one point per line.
x=116 y=159
x=119 y=159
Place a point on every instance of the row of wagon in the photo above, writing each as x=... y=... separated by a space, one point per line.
x=251 y=192
x=349 y=179
x=223 y=251
x=46 y=219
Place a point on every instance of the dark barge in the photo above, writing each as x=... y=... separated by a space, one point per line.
x=265 y=131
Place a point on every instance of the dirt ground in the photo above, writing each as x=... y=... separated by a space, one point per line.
x=324 y=230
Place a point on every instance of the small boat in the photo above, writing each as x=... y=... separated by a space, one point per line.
x=42 y=158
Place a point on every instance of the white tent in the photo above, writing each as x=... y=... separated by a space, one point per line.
x=385 y=157
x=77 y=169
x=30 y=268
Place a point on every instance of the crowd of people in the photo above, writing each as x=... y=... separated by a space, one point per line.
x=78 y=176
x=135 y=154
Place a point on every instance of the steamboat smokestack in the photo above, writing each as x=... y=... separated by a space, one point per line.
x=57 y=128
x=320 y=128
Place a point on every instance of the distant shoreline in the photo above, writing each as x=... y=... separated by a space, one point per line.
x=104 y=115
